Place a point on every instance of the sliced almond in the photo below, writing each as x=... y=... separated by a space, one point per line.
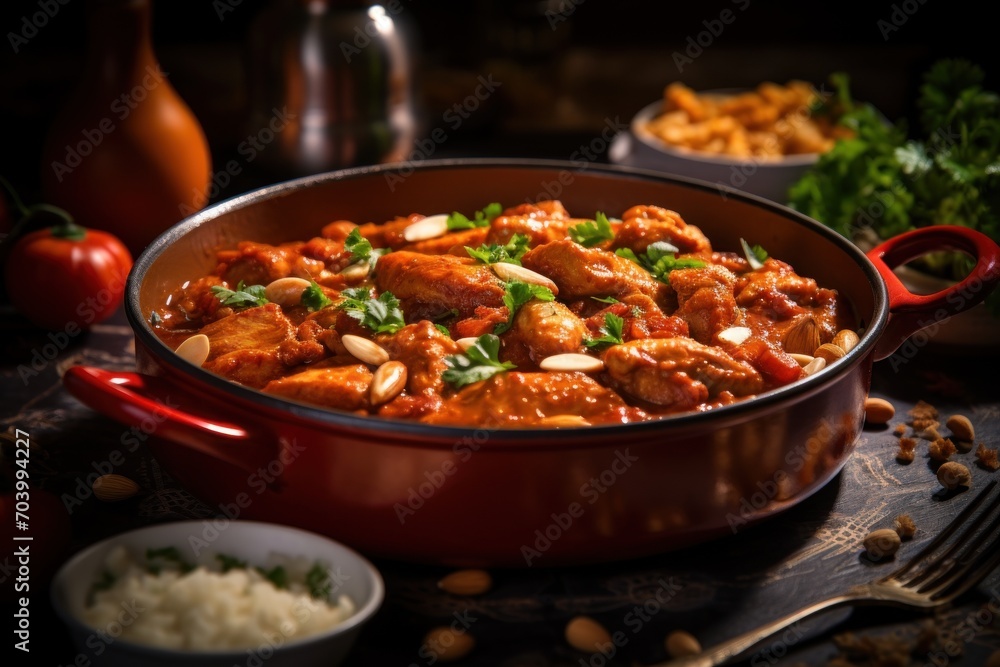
x=878 y=411
x=286 y=291
x=801 y=359
x=572 y=361
x=430 y=227
x=365 y=350
x=735 y=335
x=195 y=349
x=814 y=366
x=561 y=421
x=447 y=644
x=113 y=488
x=466 y=582
x=846 y=340
x=466 y=343
x=388 y=381
x=514 y=272
x=803 y=338
x=830 y=352
x=358 y=271
x=585 y=634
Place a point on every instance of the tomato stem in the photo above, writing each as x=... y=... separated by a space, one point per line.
x=66 y=228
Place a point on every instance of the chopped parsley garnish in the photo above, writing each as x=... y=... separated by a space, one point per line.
x=482 y=218
x=277 y=575
x=361 y=249
x=480 y=362
x=443 y=329
x=611 y=332
x=511 y=252
x=518 y=293
x=228 y=563
x=313 y=297
x=381 y=315
x=318 y=581
x=244 y=296
x=169 y=554
x=589 y=233
x=756 y=255
x=660 y=259
x=606 y=299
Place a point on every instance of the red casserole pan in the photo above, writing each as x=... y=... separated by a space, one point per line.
x=493 y=497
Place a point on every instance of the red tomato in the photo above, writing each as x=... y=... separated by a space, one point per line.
x=67 y=276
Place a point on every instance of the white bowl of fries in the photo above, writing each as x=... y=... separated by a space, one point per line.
x=760 y=141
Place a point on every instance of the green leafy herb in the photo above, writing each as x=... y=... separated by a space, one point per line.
x=511 y=252
x=606 y=299
x=313 y=297
x=277 y=575
x=611 y=332
x=592 y=233
x=381 y=315
x=443 y=329
x=480 y=362
x=318 y=582
x=361 y=249
x=660 y=259
x=518 y=293
x=228 y=563
x=169 y=554
x=244 y=296
x=482 y=218
x=756 y=256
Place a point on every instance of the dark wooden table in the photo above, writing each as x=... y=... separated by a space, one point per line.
x=713 y=591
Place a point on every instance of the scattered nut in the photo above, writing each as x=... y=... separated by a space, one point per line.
x=801 y=359
x=735 y=335
x=846 y=340
x=515 y=272
x=878 y=411
x=113 y=488
x=961 y=427
x=953 y=475
x=803 y=338
x=830 y=352
x=563 y=421
x=814 y=366
x=194 y=349
x=987 y=458
x=941 y=449
x=448 y=645
x=388 y=381
x=466 y=582
x=286 y=291
x=365 y=350
x=882 y=543
x=585 y=634
x=680 y=643
x=430 y=227
x=905 y=527
x=572 y=361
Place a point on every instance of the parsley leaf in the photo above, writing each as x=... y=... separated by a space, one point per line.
x=511 y=252
x=756 y=255
x=480 y=362
x=277 y=575
x=660 y=259
x=170 y=554
x=482 y=218
x=612 y=332
x=381 y=315
x=313 y=297
x=589 y=233
x=606 y=299
x=318 y=581
x=361 y=249
x=518 y=293
x=242 y=297
x=443 y=329
x=228 y=563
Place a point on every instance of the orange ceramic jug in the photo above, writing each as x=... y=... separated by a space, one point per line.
x=126 y=154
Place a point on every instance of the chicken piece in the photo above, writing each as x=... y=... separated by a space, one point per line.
x=389 y=234
x=644 y=225
x=257 y=263
x=642 y=318
x=453 y=243
x=526 y=399
x=776 y=291
x=422 y=349
x=431 y=286
x=705 y=300
x=542 y=329
x=261 y=328
x=581 y=272
x=337 y=387
x=250 y=367
x=484 y=321
x=678 y=373
x=543 y=222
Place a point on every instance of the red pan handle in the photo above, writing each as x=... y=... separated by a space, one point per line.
x=908 y=312
x=137 y=400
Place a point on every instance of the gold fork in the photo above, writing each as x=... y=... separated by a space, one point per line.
x=943 y=570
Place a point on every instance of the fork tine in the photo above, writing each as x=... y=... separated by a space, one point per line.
x=924 y=555
x=973 y=566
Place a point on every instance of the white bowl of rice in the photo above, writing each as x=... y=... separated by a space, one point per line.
x=202 y=593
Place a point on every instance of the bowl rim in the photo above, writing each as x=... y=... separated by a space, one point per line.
x=641 y=134
x=446 y=434
x=362 y=614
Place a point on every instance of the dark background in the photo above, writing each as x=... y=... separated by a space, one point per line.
x=605 y=60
